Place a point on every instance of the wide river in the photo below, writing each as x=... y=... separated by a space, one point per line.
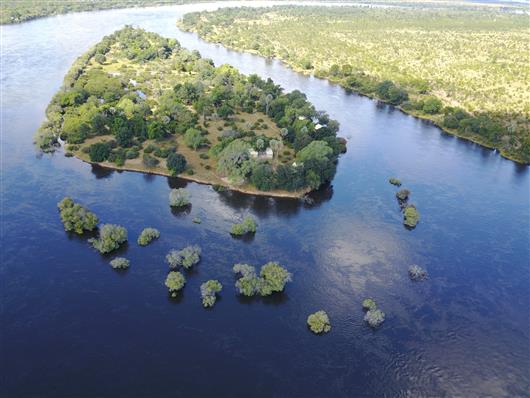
x=73 y=327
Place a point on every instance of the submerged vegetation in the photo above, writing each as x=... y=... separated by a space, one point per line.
x=272 y=278
x=374 y=316
x=119 y=263
x=75 y=217
x=110 y=238
x=411 y=216
x=319 y=322
x=209 y=290
x=187 y=257
x=464 y=68
x=179 y=197
x=248 y=226
x=148 y=235
x=417 y=273
x=394 y=181
x=139 y=101
x=175 y=281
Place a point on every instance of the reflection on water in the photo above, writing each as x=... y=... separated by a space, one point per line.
x=71 y=326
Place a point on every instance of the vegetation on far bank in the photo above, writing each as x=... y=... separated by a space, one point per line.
x=142 y=102
x=466 y=68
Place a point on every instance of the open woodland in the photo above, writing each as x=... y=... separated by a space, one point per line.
x=464 y=68
x=138 y=101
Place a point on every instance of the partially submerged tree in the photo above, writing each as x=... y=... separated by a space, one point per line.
x=319 y=322
x=175 y=281
x=119 y=263
x=369 y=304
x=75 y=217
x=148 y=235
x=411 y=216
x=187 y=257
x=374 y=318
x=111 y=236
x=417 y=273
x=273 y=278
x=209 y=290
x=247 y=226
x=394 y=181
x=179 y=197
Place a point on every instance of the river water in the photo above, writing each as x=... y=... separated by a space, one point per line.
x=71 y=326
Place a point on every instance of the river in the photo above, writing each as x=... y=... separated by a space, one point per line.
x=71 y=326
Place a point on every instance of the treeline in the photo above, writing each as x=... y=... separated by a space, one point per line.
x=419 y=60
x=95 y=103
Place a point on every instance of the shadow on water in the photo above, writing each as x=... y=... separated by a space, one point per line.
x=247 y=238
x=181 y=211
x=101 y=172
x=179 y=297
x=274 y=299
x=176 y=183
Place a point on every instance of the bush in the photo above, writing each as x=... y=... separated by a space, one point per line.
x=319 y=322
x=99 y=152
x=179 y=197
x=75 y=217
x=176 y=163
x=411 y=216
x=119 y=263
x=150 y=161
x=208 y=292
x=175 y=281
x=110 y=238
x=193 y=138
x=187 y=257
x=416 y=273
x=247 y=226
x=148 y=235
x=394 y=181
x=432 y=105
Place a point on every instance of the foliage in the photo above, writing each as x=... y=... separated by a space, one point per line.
x=119 y=263
x=394 y=181
x=208 y=292
x=111 y=236
x=176 y=163
x=318 y=322
x=99 y=152
x=187 y=257
x=462 y=66
x=148 y=235
x=417 y=273
x=193 y=138
x=175 y=281
x=273 y=278
x=149 y=161
x=403 y=195
x=179 y=197
x=411 y=216
x=369 y=304
x=374 y=317
x=248 y=226
x=75 y=217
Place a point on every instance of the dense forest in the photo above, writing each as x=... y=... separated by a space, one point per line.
x=466 y=68
x=139 y=101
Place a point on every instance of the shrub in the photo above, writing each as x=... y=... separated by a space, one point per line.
x=119 y=263
x=417 y=273
x=208 y=292
x=411 y=217
x=99 y=152
x=432 y=105
x=187 y=257
x=150 y=161
x=176 y=163
x=394 y=181
x=110 y=238
x=75 y=217
x=175 y=281
x=247 y=226
x=148 y=235
x=179 y=197
x=374 y=318
x=319 y=322
x=193 y=138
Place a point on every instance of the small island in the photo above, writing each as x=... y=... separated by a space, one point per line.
x=138 y=101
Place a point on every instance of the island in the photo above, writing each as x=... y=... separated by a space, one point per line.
x=138 y=101
x=464 y=67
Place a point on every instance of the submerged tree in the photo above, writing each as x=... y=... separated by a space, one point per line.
x=411 y=216
x=273 y=278
x=148 y=235
x=208 y=292
x=417 y=273
x=187 y=257
x=75 y=217
x=175 y=281
x=319 y=322
x=179 y=197
x=111 y=236
x=394 y=181
x=369 y=304
x=247 y=226
x=374 y=318
x=119 y=263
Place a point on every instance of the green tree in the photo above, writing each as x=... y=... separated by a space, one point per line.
x=209 y=290
x=176 y=163
x=175 y=281
x=99 y=152
x=193 y=138
x=110 y=238
x=179 y=197
x=75 y=217
x=318 y=322
x=148 y=235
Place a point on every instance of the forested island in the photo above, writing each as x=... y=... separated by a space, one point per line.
x=463 y=67
x=138 y=101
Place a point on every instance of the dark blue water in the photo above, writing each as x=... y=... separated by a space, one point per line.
x=73 y=327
